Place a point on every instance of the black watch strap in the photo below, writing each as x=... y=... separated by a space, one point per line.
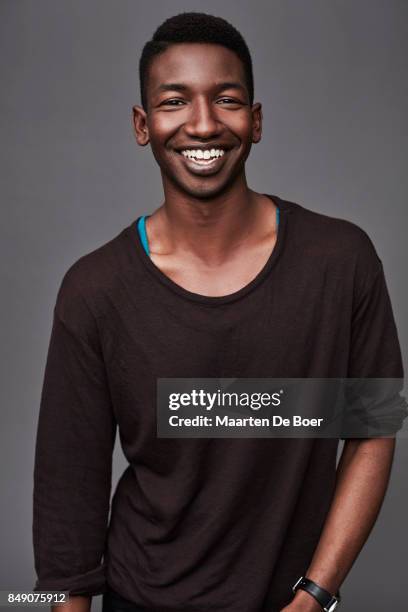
x=328 y=601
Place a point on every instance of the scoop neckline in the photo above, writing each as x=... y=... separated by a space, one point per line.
x=214 y=300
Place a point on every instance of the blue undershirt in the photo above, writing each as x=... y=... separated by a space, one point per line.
x=141 y=228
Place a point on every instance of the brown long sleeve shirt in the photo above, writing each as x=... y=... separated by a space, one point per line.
x=197 y=524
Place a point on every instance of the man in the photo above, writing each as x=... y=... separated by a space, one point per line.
x=215 y=284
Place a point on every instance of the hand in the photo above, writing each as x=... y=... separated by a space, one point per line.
x=76 y=603
x=301 y=607
x=302 y=602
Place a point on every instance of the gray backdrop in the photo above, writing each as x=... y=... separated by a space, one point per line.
x=332 y=79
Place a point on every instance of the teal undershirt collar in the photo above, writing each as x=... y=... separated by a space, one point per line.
x=141 y=228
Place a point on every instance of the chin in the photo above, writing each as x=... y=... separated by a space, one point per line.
x=205 y=189
x=208 y=193
x=204 y=192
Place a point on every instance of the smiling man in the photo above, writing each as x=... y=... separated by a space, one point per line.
x=213 y=234
x=219 y=281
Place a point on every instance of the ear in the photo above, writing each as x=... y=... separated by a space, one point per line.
x=256 y=122
x=140 y=125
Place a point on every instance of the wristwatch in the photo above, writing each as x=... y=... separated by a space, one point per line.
x=328 y=601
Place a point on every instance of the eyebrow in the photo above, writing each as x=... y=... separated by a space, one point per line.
x=183 y=87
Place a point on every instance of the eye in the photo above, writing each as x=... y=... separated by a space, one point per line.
x=229 y=101
x=172 y=102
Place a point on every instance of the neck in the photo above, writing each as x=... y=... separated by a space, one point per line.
x=208 y=229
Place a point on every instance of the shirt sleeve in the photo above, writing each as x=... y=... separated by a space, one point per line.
x=375 y=350
x=73 y=453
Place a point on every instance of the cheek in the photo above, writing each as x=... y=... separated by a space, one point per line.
x=163 y=128
x=241 y=125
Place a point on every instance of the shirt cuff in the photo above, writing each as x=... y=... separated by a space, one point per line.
x=87 y=584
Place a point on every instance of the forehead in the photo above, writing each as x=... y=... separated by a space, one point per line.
x=195 y=64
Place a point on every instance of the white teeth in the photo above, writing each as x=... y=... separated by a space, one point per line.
x=208 y=154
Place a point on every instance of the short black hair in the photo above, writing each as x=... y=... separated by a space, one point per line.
x=195 y=27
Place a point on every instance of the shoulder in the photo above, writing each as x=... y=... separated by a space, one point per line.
x=329 y=230
x=332 y=239
x=87 y=281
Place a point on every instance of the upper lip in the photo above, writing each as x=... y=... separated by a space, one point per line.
x=203 y=147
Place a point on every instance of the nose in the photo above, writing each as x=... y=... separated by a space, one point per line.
x=202 y=122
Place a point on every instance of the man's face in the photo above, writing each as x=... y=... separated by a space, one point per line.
x=199 y=122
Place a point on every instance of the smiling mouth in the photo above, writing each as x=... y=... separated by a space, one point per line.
x=203 y=161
